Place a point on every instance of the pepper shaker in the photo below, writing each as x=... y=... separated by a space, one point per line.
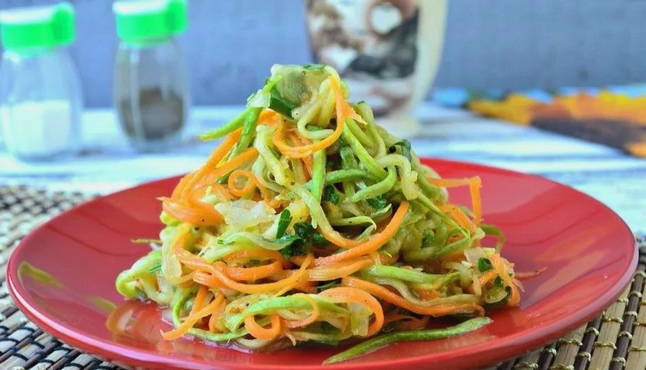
x=150 y=89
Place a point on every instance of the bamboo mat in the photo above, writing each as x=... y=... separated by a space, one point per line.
x=615 y=340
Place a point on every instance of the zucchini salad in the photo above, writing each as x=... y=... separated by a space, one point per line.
x=310 y=223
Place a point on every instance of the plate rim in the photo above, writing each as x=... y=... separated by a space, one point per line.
x=487 y=352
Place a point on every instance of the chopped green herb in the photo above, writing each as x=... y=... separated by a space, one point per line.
x=304 y=230
x=498 y=282
x=288 y=239
x=428 y=238
x=253 y=262
x=328 y=285
x=155 y=269
x=484 y=264
x=330 y=194
x=280 y=104
x=319 y=240
x=283 y=223
x=296 y=248
x=500 y=303
x=313 y=67
x=378 y=203
x=404 y=149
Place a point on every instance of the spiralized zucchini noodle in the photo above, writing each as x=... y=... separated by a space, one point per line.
x=311 y=223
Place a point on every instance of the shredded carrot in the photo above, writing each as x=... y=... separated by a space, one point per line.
x=426 y=294
x=337 y=239
x=458 y=216
x=181 y=185
x=212 y=175
x=476 y=201
x=373 y=243
x=474 y=184
x=184 y=279
x=259 y=332
x=199 y=299
x=390 y=297
x=487 y=277
x=343 y=112
x=221 y=191
x=191 y=215
x=311 y=318
x=307 y=161
x=191 y=320
x=216 y=156
x=214 y=324
x=218 y=276
x=350 y=294
x=234 y=178
x=339 y=270
x=530 y=274
x=257 y=253
x=268 y=117
x=253 y=273
x=498 y=265
x=449 y=183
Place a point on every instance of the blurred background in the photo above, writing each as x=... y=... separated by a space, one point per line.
x=511 y=44
x=554 y=88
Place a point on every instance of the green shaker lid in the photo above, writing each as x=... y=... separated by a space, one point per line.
x=140 y=20
x=37 y=27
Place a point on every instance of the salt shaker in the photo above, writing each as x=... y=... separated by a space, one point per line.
x=150 y=89
x=40 y=91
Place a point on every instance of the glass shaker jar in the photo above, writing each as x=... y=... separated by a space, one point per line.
x=40 y=91
x=150 y=88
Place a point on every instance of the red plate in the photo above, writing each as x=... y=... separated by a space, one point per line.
x=62 y=277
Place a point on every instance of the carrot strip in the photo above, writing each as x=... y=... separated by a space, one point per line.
x=214 y=326
x=449 y=183
x=191 y=320
x=386 y=295
x=257 y=253
x=349 y=294
x=530 y=274
x=216 y=156
x=199 y=299
x=514 y=297
x=214 y=174
x=426 y=294
x=338 y=270
x=253 y=273
x=252 y=183
x=373 y=243
x=487 y=277
x=337 y=239
x=217 y=276
x=311 y=318
x=343 y=112
x=259 y=332
x=248 y=187
x=459 y=216
x=181 y=185
x=474 y=183
x=221 y=191
x=476 y=200
x=268 y=117
x=197 y=217
x=307 y=161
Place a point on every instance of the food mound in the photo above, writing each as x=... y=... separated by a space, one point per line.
x=311 y=223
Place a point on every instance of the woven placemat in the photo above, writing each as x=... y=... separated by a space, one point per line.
x=614 y=340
